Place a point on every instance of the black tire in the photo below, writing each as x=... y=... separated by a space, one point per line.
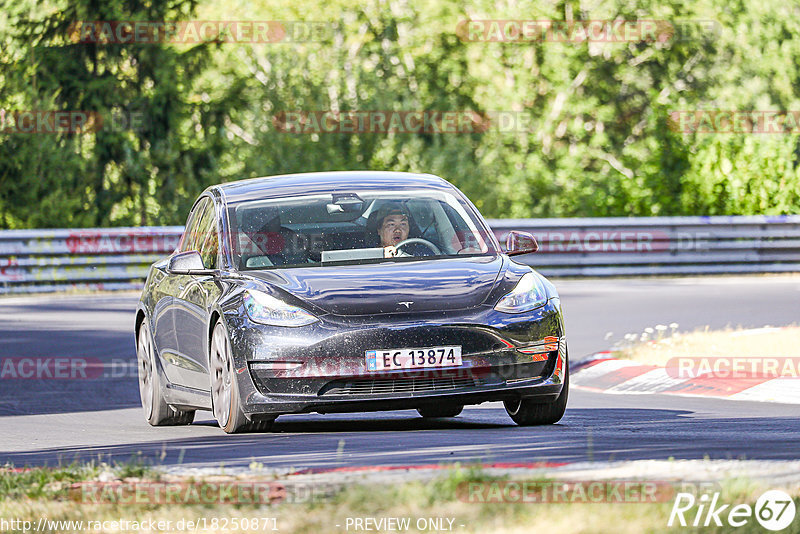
x=440 y=411
x=156 y=411
x=226 y=403
x=529 y=412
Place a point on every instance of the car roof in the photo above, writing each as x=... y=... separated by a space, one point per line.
x=327 y=182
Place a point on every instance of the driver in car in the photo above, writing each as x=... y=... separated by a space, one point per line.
x=393 y=227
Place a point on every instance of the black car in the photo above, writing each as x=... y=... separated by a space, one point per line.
x=343 y=292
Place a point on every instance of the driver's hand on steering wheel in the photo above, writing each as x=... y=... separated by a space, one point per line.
x=393 y=252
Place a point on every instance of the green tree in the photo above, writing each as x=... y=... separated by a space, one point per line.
x=158 y=142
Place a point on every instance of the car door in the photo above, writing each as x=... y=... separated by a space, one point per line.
x=193 y=302
x=165 y=332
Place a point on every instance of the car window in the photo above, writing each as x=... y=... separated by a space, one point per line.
x=209 y=250
x=206 y=238
x=346 y=227
x=190 y=233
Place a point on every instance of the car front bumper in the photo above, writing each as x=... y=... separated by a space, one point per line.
x=322 y=367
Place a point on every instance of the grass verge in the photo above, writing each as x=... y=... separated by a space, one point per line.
x=657 y=346
x=441 y=504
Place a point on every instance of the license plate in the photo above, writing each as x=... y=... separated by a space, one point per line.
x=417 y=358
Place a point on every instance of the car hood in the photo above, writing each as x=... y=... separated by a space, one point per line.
x=397 y=287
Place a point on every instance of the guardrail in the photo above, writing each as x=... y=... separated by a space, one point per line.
x=118 y=258
x=106 y=258
x=620 y=246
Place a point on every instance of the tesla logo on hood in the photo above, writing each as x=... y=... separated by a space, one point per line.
x=406 y=304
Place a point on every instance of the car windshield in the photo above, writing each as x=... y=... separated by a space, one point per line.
x=354 y=227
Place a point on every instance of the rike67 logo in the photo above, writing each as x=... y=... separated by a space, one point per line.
x=774 y=510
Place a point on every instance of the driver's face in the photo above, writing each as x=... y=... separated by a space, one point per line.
x=393 y=230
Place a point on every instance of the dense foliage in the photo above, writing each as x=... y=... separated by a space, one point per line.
x=600 y=141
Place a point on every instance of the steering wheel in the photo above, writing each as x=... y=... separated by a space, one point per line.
x=421 y=241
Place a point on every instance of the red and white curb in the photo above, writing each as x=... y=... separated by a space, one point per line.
x=602 y=373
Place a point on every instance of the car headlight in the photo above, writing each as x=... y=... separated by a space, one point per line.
x=528 y=295
x=264 y=309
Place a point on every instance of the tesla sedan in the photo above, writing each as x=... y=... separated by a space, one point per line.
x=346 y=292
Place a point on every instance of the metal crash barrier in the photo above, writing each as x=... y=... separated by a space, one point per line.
x=622 y=246
x=34 y=261
x=118 y=258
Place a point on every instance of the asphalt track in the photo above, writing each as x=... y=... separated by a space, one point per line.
x=51 y=421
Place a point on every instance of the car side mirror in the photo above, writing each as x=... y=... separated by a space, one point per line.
x=520 y=243
x=188 y=262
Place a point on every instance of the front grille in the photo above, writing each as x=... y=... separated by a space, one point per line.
x=404 y=385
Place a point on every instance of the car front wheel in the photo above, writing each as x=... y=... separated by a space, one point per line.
x=225 y=400
x=529 y=412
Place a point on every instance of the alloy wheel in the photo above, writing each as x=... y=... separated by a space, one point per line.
x=144 y=355
x=221 y=375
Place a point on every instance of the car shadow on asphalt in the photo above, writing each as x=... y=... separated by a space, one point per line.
x=482 y=435
x=370 y=422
